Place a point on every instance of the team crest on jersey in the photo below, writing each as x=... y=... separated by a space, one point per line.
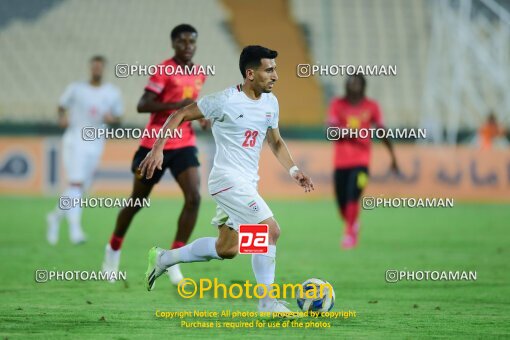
x=269 y=116
x=353 y=122
x=253 y=205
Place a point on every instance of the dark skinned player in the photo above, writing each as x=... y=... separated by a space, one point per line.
x=164 y=94
x=352 y=155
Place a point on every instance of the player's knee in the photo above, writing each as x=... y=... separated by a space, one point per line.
x=192 y=199
x=130 y=210
x=274 y=232
x=227 y=252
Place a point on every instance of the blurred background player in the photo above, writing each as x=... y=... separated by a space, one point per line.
x=164 y=94
x=84 y=104
x=352 y=155
x=491 y=132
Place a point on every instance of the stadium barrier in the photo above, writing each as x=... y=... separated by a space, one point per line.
x=33 y=166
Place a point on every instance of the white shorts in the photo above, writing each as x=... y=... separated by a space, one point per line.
x=81 y=159
x=240 y=204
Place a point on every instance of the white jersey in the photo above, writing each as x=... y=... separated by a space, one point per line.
x=239 y=127
x=87 y=105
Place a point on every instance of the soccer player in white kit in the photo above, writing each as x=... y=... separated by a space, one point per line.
x=242 y=117
x=89 y=104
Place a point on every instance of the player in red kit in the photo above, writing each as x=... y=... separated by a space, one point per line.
x=352 y=155
x=171 y=89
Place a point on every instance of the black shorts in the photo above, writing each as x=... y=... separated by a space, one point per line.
x=177 y=160
x=349 y=184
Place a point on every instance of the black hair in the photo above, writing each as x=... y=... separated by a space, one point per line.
x=251 y=55
x=182 y=28
x=99 y=58
x=361 y=78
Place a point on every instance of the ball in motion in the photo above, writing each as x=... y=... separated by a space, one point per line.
x=317 y=295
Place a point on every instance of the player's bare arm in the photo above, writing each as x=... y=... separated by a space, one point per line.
x=111 y=119
x=389 y=146
x=394 y=164
x=62 y=117
x=149 y=103
x=154 y=158
x=281 y=151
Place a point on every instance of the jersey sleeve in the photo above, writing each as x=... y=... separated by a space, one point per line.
x=332 y=114
x=156 y=83
x=117 y=105
x=377 y=119
x=67 y=97
x=211 y=105
x=276 y=116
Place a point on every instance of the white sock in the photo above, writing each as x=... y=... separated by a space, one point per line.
x=74 y=214
x=264 y=267
x=200 y=250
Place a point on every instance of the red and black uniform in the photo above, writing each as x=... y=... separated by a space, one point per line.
x=352 y=155
x=178 y=153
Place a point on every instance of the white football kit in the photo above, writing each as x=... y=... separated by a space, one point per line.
x=239 y=127
x=86 y=106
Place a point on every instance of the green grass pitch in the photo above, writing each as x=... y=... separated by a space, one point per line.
x=467 y=237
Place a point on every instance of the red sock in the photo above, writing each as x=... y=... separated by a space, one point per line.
x=116 y=242
x=177 y=244
x=351 y=214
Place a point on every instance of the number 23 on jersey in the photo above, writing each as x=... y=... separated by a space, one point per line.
x=250 y=138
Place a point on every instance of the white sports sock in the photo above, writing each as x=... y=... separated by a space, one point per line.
x=200 y=250
x=264 y=267
x=74 y=214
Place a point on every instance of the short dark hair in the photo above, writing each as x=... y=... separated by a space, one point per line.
x=182 y=28
x=251 y=55
x=362 y=79
x=99 y=58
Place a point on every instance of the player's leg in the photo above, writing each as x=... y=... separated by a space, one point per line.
x=243 y=204
x=76 y=163
x=189 y=182
x=264 y=268
x=184 y=167
x=340 y=177
x=54 y=217
x=73 y=214
x=141 y=190
x=111 y=260
x=342 y=189
x=357 y=181
x=237 y=205
x=224 y=246
x=203 y=249
x=87 y=160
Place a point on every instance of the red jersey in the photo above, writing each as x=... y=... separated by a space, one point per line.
x=172 y=89
x=363 y=115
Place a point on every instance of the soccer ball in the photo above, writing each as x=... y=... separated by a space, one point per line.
x=318 y=296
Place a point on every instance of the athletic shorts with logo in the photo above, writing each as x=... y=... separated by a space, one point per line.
x=239 y=204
